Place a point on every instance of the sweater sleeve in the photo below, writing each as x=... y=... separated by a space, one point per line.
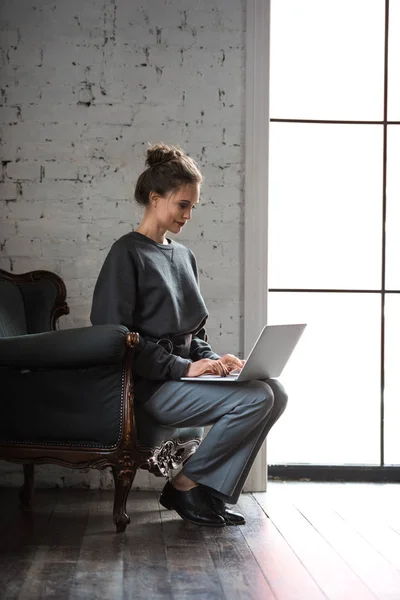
x=114 y=303
x=200 y=348
x=115 y=290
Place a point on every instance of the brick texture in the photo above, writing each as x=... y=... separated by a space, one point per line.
x=84 y=87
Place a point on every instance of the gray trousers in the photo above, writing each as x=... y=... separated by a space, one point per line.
x=241 y=414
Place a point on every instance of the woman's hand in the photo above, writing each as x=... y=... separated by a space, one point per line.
x=231 y=362
x=207 y=366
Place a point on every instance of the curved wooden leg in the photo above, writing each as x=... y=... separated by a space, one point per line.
x=26 y=491
x=123 y=479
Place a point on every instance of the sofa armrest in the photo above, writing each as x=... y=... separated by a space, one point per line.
x=66 y=349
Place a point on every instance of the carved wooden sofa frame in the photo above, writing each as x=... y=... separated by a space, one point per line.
x=173 y=447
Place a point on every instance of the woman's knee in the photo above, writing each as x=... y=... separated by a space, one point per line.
x=280 y=394
x=264 y=395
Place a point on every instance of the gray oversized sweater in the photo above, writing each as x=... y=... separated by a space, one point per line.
x=153 y=289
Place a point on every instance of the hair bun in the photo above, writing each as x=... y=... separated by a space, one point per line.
x=161 y=153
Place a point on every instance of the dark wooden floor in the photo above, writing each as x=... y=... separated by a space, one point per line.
x=302 y=541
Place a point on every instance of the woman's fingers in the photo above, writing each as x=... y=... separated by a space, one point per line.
x=217 y=367
x=220 y=368
x=231 y=361
x=208 y=366
x=225 y=370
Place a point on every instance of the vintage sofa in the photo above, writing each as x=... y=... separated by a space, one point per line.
x=67 y=396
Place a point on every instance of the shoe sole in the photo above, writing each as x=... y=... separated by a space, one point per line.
x=169 y=507
x=229 y=522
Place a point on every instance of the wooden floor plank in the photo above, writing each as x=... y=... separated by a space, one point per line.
x=327 y=568
x=13 y=573
x=373 y=527
x=19 y=544
x=68 y=520
x=382 y=578
x=57 y=548
x=23 y=528
x=47 y=576
x=146 y=572
x=240 y=574
x=275 y=557
x=9 y=503
x=99 y=568
x=321 y=542
x=191 y=568
x=380 y=501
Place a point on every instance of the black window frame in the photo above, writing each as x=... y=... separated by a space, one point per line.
x=369 y=473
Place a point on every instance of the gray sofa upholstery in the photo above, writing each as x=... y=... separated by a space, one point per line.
x=67 y=396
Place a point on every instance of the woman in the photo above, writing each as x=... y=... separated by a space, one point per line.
x=149 y=283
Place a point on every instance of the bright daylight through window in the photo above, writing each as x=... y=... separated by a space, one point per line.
x=334 y=222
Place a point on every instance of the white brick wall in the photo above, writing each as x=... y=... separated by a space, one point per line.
x=83 y=90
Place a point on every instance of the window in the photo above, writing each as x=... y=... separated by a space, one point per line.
x=334 y=221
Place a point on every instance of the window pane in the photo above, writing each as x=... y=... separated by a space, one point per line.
x=394 y=62
x=333 y=380
x=327 y=59
x=392 y=380
x=325 y=206
x=393 y=209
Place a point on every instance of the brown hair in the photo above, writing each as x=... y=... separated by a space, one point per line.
x=168 y=168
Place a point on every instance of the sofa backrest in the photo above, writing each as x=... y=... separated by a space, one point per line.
x=39 y=299
x=12 y=310
x=30 y=302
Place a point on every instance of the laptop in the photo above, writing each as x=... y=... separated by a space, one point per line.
x=268 y=356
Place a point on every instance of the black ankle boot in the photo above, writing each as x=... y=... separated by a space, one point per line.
x=219 y=507
x=191 y=505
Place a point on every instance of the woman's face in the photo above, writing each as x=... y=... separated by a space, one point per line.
x=174 y=210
